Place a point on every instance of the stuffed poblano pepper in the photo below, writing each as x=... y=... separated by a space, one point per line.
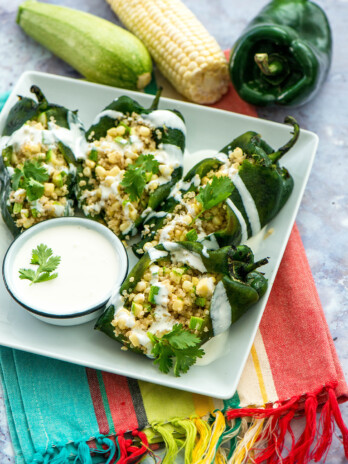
x=135 y=157
x=226 y=199
x=284 y=54
x=178 y=296
x=39 y=148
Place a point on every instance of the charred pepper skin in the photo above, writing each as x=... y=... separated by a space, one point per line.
x=284 y=54
x=269 y=185
x=243 y=284
x=25 y=110
x=127 y=106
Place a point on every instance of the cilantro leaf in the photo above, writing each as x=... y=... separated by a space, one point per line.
x=178 y=348
x=31 y=178
x=42 y=257
x=46 y=276
x=27 y=274
x=34 y=189
x=137 y=175
x=215 y=192
x=33 y=170
x=134 y=183
x=51 y=265
x=16 y=177
x=148 y=163
x=41 y=254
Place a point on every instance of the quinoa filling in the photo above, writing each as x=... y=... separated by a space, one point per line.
x=40 y=174
x=167 y=294
x=104 y=191
x=185 y=218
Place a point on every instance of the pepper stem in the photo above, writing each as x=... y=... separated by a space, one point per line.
x=40 y=97
x=239 y=270
x=268 y=68
x=252 y=266
x=275 y=156
x=155 y=102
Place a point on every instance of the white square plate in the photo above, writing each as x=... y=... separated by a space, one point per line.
x=207 y=129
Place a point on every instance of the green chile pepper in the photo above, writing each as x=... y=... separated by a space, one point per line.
x=268 y=184
x=284 y=54
x=161 y=133
x=23 y=111
x=240 y=286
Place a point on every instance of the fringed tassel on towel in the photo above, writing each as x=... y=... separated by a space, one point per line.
x=265 y=437
x=258 y=435
x=113 y=449
x=235 y=436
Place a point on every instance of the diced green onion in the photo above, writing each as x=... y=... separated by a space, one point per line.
x=42 y=118
x=200 y=301
x=128 y=129
x=121 y=141
x=196 y=323
x=154 y=290
x=17 y=207
x=93 y=155
x=49 y=155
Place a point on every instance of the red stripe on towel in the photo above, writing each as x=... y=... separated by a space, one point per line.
x=120 y=402
x=97 y=401
x=296 y=367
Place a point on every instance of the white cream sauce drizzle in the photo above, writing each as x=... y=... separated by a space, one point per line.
x=220 y=310
x=181 y=185
x=110 y=114
x=249 y=205
x=209 y=242
x=73 y=138
x=180 y=254
x=240 y=218
x=159 y=118
x=155 y=254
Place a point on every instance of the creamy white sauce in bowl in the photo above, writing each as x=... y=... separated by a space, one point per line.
x=93 y=262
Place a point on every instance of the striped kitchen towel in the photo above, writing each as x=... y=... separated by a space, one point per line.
x=61 y=413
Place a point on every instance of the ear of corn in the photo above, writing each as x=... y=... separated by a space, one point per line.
x=184 y=51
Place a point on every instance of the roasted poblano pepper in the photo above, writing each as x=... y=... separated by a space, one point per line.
x=135 y=157
x=39 y=148
x=226 y=199
x=178 y=296
x=284 y=54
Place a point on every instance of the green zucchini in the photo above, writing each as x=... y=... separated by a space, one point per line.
x=98 y=49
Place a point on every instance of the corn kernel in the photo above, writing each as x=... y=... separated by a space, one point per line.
x=140 y=287
x=100 y=172
x=178 y=305
x=139 y=298
x=48 y=189
x=187 y=286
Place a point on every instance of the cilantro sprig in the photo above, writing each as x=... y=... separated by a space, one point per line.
x=178 y=349
x=30 y=177
x=218 y=190
x=138 y=174
x=42 y=257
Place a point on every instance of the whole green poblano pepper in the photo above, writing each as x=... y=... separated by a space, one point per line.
x=284 y=54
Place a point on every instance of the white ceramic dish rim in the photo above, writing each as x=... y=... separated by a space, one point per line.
x=57 y=222
x=193 y=381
